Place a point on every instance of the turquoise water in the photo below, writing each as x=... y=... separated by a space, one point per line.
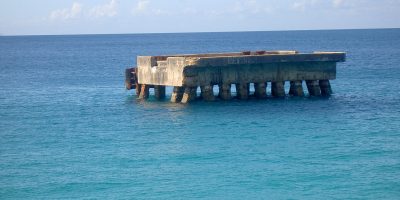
x=69 y=129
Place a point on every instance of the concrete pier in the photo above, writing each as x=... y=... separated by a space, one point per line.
x=225 y=91
x=177 y=94
x=242 y=91
x=313 y=88
x=144 y=91
x=138 y=88
x=260 y=90
x=325 y=87
x=207 y=93
x=159 y=92
x=278 y=89
x=296 y=88
x=189 y=94
x=187 y=72
x=130 y=78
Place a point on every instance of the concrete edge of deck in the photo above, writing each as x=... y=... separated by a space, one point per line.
x=267 y=58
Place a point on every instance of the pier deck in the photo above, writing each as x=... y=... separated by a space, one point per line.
x=187 y=72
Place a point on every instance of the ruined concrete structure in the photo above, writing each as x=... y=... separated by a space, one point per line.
x=188 y=72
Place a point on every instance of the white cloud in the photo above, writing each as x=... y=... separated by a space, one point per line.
x=343 y=3
x=303 y=5
x=251 y=6
x=105 y=10
x=67 y=13
x=141 y=6
x=299 y=6
x=241 y=6
x=337 y=3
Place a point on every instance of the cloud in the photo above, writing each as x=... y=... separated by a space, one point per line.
x=105 y=10
x=303 y=5
x=244 y=6
x=141 y=6
x=67 y=13
x=337 y=3
x=299 y=6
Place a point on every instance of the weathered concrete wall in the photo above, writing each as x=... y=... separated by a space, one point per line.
x=155 y=71
x=259 y=73
x=245 y=67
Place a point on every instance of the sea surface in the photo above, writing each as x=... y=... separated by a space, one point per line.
x=69 y=129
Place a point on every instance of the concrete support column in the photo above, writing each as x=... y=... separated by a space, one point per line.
x=144 y=91
x=225 y=91
x=278 y=89
x=189 y=94
x=260 y=90
x=177 y=94
x=325 y=87
x=313 y=88
x=242 y=90
x=159 y=92
x=296 y=88
x=207 y=93
x=138 y=88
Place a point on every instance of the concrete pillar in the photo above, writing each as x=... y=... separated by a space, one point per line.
x=138 y=88
x=242 y=90
x=189 y=94
x=296 y=88
x=144 y=91
x=207 y=93
x=159 y=92
x=325 y=87
x=260 y=90
x=225 y=91
x=177 y=94
x=313 y=88
x=278 y=89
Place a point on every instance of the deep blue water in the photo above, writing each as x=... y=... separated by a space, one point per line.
x=69 y=129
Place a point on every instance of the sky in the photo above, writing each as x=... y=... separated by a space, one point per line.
x=54 y=17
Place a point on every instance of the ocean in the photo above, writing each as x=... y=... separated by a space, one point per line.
x=70 y=130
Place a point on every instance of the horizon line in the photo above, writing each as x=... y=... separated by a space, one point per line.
x=287 y=30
